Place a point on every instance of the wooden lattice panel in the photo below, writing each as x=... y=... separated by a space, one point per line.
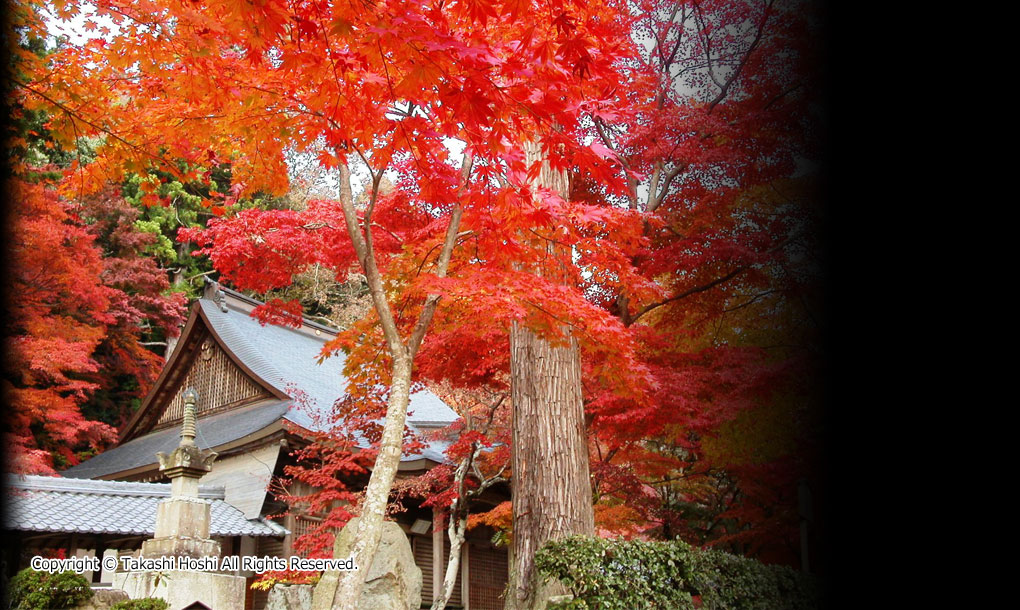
x=219 y=382
x=303 y=524
x=264 y=547
x=487 y=578
x=421 y=547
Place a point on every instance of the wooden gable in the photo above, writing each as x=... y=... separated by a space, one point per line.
x=220 y=383
x=201 y=360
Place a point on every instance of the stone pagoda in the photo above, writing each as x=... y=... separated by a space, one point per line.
x=182 y=530
x=182 y=521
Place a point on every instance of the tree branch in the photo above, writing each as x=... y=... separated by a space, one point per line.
x=657 y=199
x=691 y=291
x=369 y=265
x=724 y=89
x=429 y=310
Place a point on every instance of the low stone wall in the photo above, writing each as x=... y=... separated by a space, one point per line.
x=102 y=599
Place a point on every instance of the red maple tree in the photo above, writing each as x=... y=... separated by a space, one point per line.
x=74 y=322
x=673 y=138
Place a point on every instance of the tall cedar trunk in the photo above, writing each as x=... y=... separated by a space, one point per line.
x=551 y=485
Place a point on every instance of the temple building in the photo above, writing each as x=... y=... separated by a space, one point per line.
x=262 y=392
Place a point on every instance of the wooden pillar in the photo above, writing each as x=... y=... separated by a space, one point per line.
x=288 y=541
x=97 y=576
x=465 y=560
x=438 y=565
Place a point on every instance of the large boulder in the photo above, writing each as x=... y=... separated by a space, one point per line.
x=290 y=597
x=393 y=582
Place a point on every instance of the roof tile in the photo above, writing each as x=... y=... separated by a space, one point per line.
x=53 y=504
x=287 y=359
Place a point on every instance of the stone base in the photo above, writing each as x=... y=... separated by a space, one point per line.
x=102 y=599
x=180 y=547
x=181 y=589
x=183 y=518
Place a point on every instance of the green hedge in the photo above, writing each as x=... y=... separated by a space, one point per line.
x=32 y=590
x=627 y=574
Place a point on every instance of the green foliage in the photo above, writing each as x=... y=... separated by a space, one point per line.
x=166 y=205
x=142 y=603
x=624 y=574
x=728 y=581
x=178 y=205
x=32 y=590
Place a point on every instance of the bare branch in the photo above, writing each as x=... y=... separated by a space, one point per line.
x=691 y=291
x=632 y=184
x=369 y=265
x=725 y=87
x=657 y=199
x=429 y=310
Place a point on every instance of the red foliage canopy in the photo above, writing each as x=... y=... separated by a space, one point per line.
x=57 y=318
x=680 y=124
x=73 y=327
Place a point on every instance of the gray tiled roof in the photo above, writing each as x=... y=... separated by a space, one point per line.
x=213 y=431
x=286 y=359
x=54 y=504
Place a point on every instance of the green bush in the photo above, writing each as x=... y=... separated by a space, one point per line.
x=626 y=574
x=142 y=603
x=727 y=582
x=32 y=590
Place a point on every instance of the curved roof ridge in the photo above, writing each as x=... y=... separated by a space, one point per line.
x=97 y=487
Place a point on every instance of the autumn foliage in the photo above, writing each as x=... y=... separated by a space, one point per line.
x=73 y=327
x=687 y=130
x=56 y=321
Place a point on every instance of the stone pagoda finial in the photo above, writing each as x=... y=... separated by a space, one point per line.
x=182 y=521
x=182 y=530
x=187 y=463
x=188 y=429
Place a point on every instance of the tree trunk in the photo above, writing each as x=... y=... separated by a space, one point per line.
x=550 y=476
x=343 y=590
x=456 y=532
x=551 y=486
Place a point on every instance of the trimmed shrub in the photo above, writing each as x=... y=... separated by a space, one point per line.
x=33 y=590
x=731 y=582
x=626 y=574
